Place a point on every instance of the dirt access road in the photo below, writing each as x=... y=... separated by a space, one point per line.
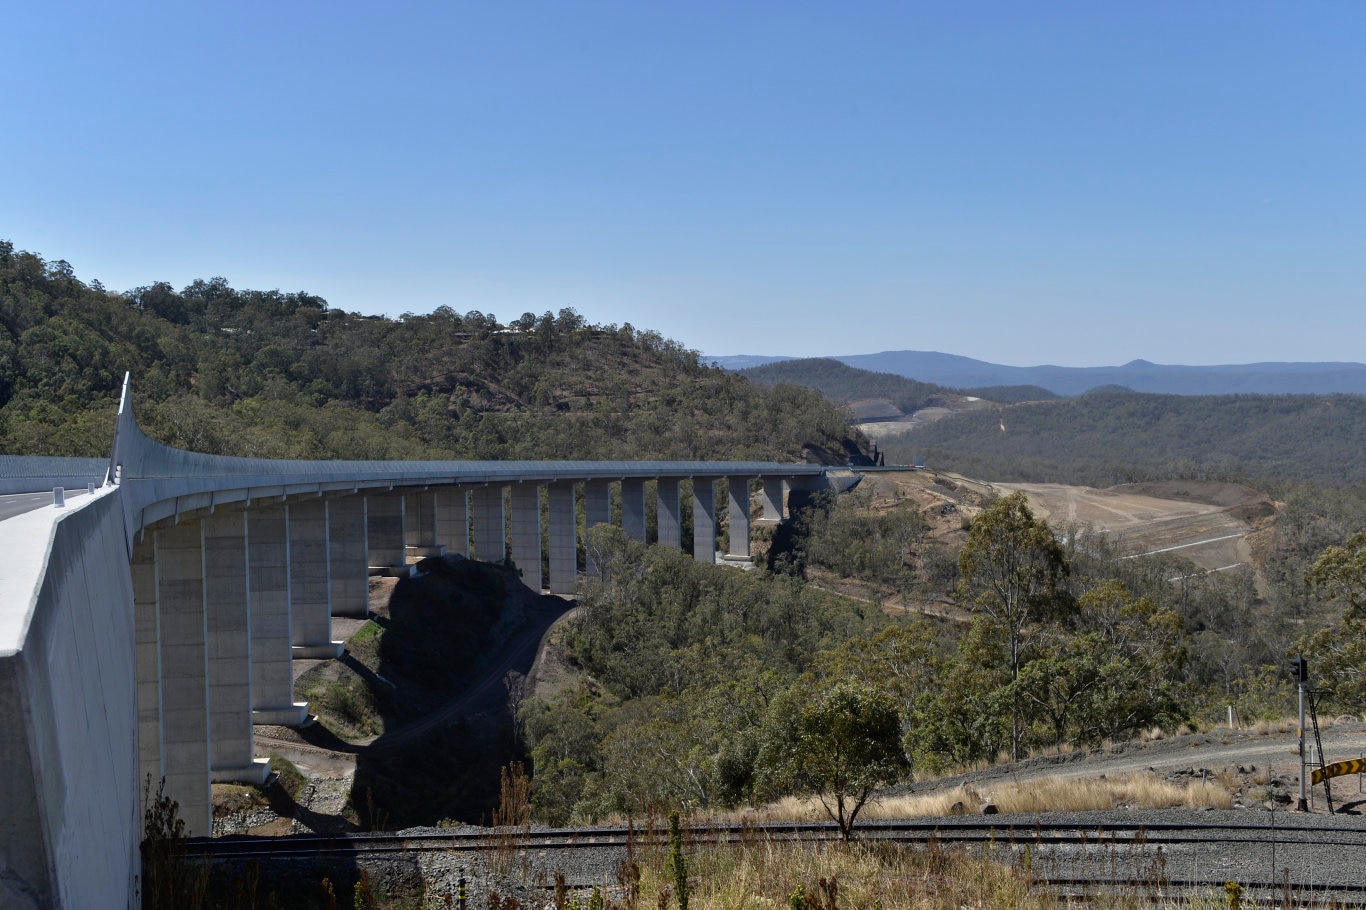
x=1253 y=757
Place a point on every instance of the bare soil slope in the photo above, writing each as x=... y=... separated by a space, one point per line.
x=1204 y=522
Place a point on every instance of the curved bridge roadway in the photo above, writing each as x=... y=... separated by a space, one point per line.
x=145 y=629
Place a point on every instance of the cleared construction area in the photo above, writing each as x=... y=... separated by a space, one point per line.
x=1205 y=522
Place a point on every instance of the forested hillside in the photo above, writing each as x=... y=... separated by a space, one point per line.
x=844 y=384
x=1104 y=438
x=271 y=374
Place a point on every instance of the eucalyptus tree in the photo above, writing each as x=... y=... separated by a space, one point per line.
x=1015 y=572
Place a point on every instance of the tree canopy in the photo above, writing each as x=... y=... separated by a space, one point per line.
x=283 y=374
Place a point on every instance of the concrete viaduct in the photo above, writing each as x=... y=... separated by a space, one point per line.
x=150 y=622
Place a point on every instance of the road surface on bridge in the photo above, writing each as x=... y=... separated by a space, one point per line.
x=19 y=503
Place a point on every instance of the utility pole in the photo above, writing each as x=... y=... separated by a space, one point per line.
x=1299 y=668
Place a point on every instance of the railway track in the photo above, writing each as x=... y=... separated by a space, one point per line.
x=1069 y=858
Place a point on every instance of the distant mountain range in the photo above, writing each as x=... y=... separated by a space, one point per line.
x=958 y=372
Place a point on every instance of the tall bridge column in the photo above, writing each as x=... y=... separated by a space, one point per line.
x=704 y=520
x=384 y=527
x=564 y=548
x=669 y=514
x=310 y=581
x=227 y=604
x=420 y=537
x=184 y=673
x=597 y=510
x=143 y=567
x=773 y=500
x=348 y=556
x=633 y=509
x=490 y=524
x=272 y=657
x=739 y=518
x=453 y=519
x=526 y=533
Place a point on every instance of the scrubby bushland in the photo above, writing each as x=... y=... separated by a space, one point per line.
x=706 y=687
x=1104 y=438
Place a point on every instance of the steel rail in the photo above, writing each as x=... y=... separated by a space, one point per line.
x=1009 y=839
x=1121 y=834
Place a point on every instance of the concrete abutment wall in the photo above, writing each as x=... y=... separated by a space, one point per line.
x=69 y=714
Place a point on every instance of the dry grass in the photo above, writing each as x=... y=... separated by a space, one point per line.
x=1287 y=725
x=1050 y=794
x=762 y=873
x=765 y=874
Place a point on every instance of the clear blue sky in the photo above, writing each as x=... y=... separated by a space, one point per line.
x=1073 y=183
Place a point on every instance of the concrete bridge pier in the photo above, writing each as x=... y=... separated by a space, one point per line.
x=490 y=524
x=704 y=520
x=453 y=519
x=385 y=520
x=526 y=533
x=563 y=520
x=227 y=604
x=348 y=556
x=738 y=513
x=310 y=581
x=146 y=629
x=420 y=535
x=597 y=510
x=633 y=509
x=272 y=656
x=669 y=514
x=774 y=502
x=184 y=673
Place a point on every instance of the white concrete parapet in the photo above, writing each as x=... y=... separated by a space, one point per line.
x=68 y=709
